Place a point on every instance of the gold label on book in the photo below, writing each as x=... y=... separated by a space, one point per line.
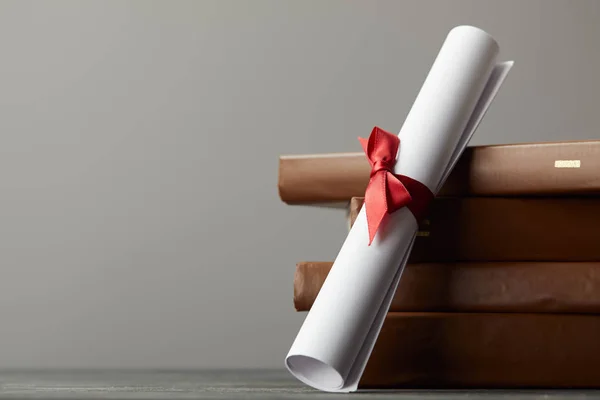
x=423 y=233
x=567 y=163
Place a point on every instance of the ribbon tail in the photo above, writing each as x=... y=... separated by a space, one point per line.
x=375 y=203
x=398 y=194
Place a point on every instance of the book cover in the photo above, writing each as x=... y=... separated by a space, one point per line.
x=485 y=350
x=514 y=287
x=507 y=229
x=550 y=168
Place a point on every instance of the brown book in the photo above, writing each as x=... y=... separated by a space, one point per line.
x=507 y=229
x=552 y=168
x=517 y=287
x=454 y=350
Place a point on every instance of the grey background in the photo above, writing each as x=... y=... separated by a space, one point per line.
x=140 y=224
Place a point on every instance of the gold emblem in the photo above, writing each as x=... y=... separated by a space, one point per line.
x=567 y=163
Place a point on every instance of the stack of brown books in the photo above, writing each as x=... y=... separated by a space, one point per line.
x=502 y=288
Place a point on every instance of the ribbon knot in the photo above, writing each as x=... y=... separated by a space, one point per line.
x=386 y=191
x=382 y=165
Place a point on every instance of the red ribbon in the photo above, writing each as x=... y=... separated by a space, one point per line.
x=388 y=192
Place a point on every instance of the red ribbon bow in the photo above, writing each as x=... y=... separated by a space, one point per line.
x=388 y=192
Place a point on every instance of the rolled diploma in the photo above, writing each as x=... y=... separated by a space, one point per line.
x=335 y=341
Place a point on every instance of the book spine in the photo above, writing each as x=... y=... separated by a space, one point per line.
x=557 y=168
x=508 y=229
x=454 y=350
x=315 y=180
x=513 y=287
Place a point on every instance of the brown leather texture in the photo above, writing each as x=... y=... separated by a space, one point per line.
x=514 y=287
x=477 y=350
x=322 y=179
x=497 y=170
x=508 y=229
x=308 y=280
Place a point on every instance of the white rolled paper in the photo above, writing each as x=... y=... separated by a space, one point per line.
x=335 y=341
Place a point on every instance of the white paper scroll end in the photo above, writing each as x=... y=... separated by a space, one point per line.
x=320 y=374
x=326 y=379
x=365 y=352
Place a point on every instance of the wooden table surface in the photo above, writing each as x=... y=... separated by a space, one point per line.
x=226 y=384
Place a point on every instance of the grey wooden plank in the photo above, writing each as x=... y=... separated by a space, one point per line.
x=224 y=384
